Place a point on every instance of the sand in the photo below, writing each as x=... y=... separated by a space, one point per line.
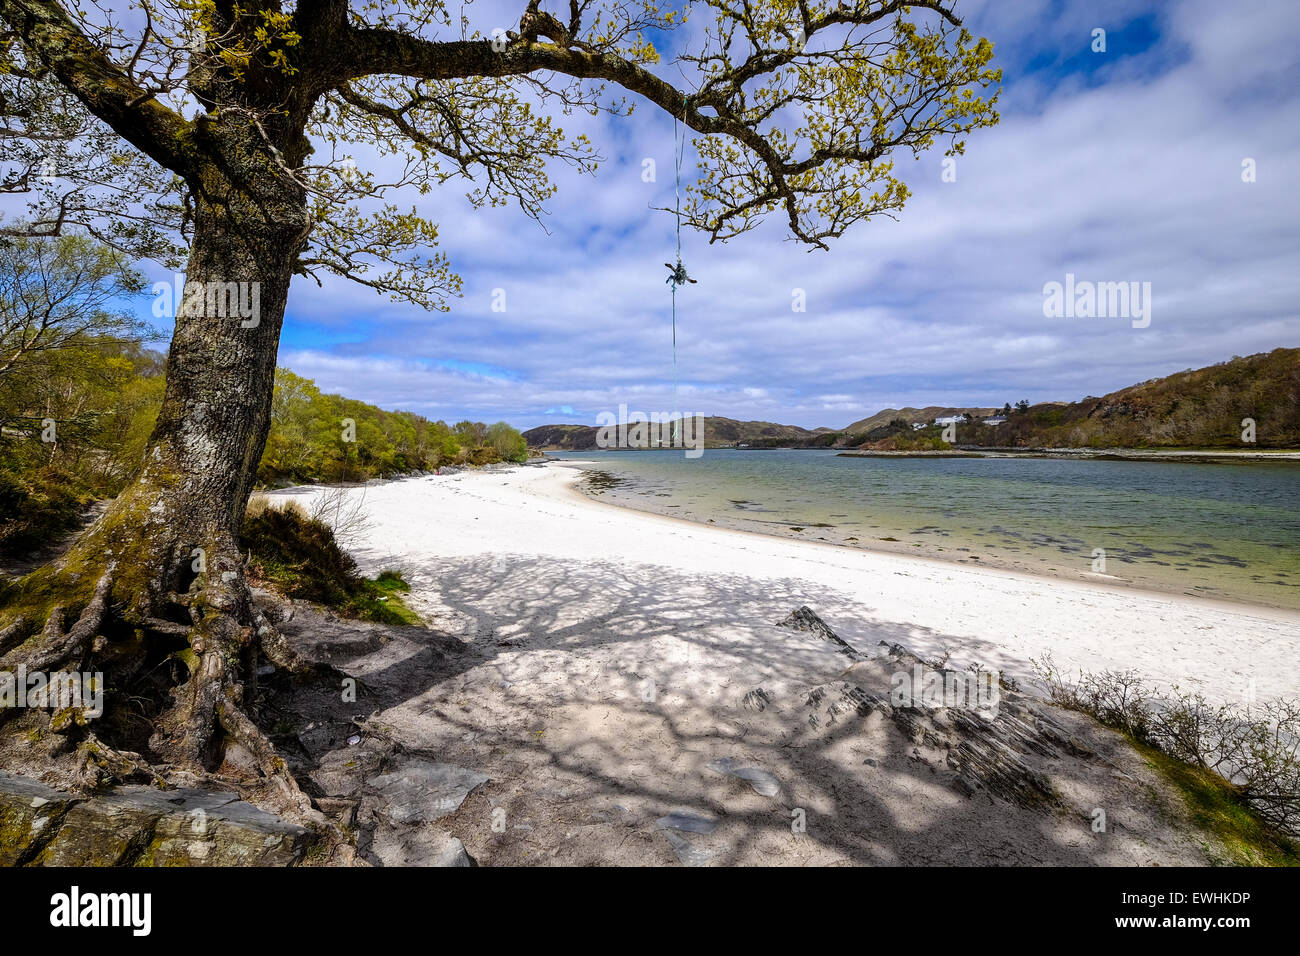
x=532 y=528
x=593 y=662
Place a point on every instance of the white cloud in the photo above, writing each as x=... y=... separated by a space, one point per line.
x=1131 y=175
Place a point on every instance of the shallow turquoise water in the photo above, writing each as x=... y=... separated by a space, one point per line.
x=1221 y=530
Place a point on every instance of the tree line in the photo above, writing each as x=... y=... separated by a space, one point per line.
x=80 y=391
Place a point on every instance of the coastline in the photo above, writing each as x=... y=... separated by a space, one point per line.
x=946 y=542
x=555 y=556
x=931 y=556
x=1214 y=456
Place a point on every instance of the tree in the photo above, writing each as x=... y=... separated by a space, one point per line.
x=77 y=172
x=289 y=447
x=58 y=293
x=471 y=434
x=507 y=442
x=798 y=108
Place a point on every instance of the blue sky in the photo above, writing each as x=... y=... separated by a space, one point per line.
x=1115 y=166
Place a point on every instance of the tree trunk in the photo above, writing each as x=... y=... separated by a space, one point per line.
x=158 y=579
x=201 y=461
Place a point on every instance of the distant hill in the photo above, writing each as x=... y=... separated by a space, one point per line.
x=1196 y=408
x=561 y=437
x=910 y=415
x=718 y=432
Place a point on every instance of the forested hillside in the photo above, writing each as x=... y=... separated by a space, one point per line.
x=1211 y=407
x=74 y=421
x=718 y=433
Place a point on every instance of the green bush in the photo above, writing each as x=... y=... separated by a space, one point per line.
x=298 y=556
x=1238 y=768
x=307 y=444
x=37 y=506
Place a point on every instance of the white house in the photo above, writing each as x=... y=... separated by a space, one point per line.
x=950 y=420
x=995 y=420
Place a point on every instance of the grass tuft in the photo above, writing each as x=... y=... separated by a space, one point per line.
x=1216 y=807
x=298 y=556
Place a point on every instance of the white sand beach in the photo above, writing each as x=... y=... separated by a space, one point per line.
x=590 y=674
x=512 y=553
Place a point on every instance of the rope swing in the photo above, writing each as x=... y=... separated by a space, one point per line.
x=677 y=274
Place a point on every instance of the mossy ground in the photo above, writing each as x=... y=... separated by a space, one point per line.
x=1217 y=808
x=381 y=600
x=297 y=556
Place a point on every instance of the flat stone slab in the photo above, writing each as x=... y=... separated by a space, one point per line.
x=140 y=826
x=419 y=846
x=422 y=791
x=762 y=782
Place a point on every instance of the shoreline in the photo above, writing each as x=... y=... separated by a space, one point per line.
x=929 y=557
x=506 y=556
x=627 y=689
x=959 y=551
x=1206 y=456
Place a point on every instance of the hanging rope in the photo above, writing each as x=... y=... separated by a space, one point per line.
x=677 y=274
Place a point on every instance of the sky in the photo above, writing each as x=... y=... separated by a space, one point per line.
x=1117 y=166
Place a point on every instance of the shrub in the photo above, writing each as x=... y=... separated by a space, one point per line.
x=298 y=556
x=1255 y=751
x=38 y=506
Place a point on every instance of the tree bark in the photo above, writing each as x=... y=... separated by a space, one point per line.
x=201 y=460
x=167 y=549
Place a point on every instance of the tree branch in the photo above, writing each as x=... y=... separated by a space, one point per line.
x=106 y=90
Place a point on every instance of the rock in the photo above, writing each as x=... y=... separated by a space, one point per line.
x=985 y=741
x=325 y=735
x=342 y=772
x=29 y=813
x=419 y=846
x=423 y=791
x=829 y=704
x=687 y=852
x=756 y=700
x=803 y=619
x=340 y=640
x=760 y=780
x=137 y=825
x=404 y=803
x=988 y=752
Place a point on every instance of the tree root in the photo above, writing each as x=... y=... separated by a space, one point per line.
x=293 y=804
x=100 y=764
x=283 y=656
x=207 y=715
x=55 y=647
x=12 y=634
